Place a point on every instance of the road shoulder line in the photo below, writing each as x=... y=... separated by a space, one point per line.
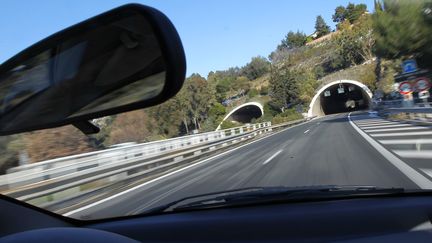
x=421 y=181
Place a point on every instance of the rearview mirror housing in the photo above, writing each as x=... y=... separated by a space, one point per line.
x=125 y=59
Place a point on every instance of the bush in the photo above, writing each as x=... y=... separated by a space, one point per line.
x=286 y=116
x=252 y=93
x=217 y=110
x=270 y=109
x=229 y=124
x=264 y=90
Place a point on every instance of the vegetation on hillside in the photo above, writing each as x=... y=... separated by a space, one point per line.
x=285 y=82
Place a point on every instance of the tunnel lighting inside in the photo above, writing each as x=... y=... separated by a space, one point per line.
x=343 y=98
x=339 y=97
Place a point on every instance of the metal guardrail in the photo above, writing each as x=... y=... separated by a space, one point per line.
x=385 y=104
x=36 y=172
x=410 y=114
x=77 y=188
x=416 y=110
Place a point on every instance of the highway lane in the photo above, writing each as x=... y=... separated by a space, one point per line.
x=325 y=151
x=411 y=142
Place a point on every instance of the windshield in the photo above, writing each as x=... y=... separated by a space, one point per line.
x=278 y=94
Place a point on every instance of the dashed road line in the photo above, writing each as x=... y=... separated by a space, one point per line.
x=394 y=129
x=401 y=134
x=272 y=157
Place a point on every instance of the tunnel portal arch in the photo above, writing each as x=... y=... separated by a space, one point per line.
x=317 y=107
x=244 y=113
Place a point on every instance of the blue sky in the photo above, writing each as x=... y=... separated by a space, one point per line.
x=216 y=34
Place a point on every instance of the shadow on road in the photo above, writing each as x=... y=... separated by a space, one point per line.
x=334 y=120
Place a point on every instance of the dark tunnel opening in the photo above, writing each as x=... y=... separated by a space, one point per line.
x=246 y=114
x=343 y=97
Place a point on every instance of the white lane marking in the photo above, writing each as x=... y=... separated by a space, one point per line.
x=415 y=176
x=306 y=131
x=406 y=141
x=397 y=134
x=367 y=120
x=396 y=129
x=272 y=157
x=414 y=154
x=359 y=119
x=172 y=173
x=387 y=126
x=427 y=171
x=375 y=123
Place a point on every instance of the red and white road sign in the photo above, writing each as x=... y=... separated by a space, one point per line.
x=405 y=87
x=422 y=84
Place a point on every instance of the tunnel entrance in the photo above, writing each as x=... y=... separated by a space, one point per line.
x=340 y=96
x=244 y=113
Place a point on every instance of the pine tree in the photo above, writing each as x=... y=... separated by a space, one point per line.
x=321 y=28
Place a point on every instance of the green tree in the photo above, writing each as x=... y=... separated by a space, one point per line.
x=217 y=110
x=223 y=81
x=215 y=116
x=354 y=45
x=201 y=97
x=307 y=84
x=252 y=93
x=293 y=40
x=354 y=11
x=321 y=28
x=351 y=12
x=169 y=119
x=184 y=108
x=256 y=68
x=241 y=85
x=402 y=29
x=283 y=88
x=340 y=14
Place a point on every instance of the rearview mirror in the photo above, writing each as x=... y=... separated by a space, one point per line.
x=128 y=58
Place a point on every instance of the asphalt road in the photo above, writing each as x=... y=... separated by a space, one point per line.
x=325 y=151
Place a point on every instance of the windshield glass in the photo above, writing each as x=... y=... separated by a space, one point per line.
x=309 y=94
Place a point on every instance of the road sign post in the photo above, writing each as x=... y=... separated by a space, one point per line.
x=422 y=84
x=406 y=89
x=409 y=66
x=424 y=95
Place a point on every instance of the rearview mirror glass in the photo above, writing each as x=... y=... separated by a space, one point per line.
x=125 y=59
